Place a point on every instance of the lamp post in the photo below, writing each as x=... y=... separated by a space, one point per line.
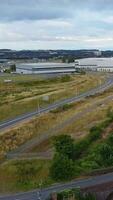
x=38 y=106
x=39 y=195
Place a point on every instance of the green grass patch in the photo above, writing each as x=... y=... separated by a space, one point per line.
x=62 y=108
x=23 y=175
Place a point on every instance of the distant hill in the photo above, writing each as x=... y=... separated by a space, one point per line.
x=47 y=54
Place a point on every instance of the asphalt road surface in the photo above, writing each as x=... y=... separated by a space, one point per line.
x=44 y=193
x=21 y=151
x=9 y=123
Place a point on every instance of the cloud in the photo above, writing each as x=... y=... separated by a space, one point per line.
x=14 y=10
x=57 y=24
x=32 y=10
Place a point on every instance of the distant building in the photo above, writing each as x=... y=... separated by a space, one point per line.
x=3 y=61
x=95 y=64
x=45 y=68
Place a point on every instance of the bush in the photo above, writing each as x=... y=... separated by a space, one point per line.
x=66 y=78
x=110 y=139
x=74 y=194
x=62 y=168
x=80 y=147
x=64 y=145
x=105 y=152
x=62 y=108
x=89 y=164
x=95 y=133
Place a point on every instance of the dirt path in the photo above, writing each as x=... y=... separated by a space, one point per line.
x=51 y=132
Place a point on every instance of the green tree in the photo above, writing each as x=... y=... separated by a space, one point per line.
x=71 y=59
x=110 y=139
x=64 y=145
x=62 y=168
x=106 y=154
x=13 y=68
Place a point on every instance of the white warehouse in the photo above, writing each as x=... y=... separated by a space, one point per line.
x=45 y=68
x=95 y=64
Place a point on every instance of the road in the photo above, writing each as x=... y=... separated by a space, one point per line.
x=21 y=151
x=84 y=183
x=9 y=123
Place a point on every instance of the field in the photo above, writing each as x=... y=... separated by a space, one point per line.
x=26 y=93
x=13 y=170
x=47 y=125
x=42 y=125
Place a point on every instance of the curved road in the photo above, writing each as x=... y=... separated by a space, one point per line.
x=44 y=193
x=34 y=195
x=9 y=123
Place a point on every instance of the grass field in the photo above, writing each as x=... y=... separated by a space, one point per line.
x=26 y=174
x=11 y=179
x=22 y=95
x=39 y=126
x=25 y=93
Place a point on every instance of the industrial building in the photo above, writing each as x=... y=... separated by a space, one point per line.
x=44 y=68
x=95 y=64
x=86 y=64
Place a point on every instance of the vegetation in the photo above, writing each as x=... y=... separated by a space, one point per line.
x=62 y=108
x=25 y=172
x=91 y=153
x=36 y=127
x=74 y=194
x=68 y=59
x=26 y=93
x=78 y=157
x=13 y=68
x=23 y=175
x=64 y=145
x=62 y=168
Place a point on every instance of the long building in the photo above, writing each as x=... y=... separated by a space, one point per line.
x=95 y=64
x=87 y=64
x=44 y=68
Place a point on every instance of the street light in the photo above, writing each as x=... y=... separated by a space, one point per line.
x=38 y=105
x=39 y=195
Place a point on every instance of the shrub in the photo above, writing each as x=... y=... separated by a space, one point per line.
x=62 y=108
x=80 y=147
x=106 y=154
x=64 y=145
x=74 y=194
x=89 y=164
x=95 y=133
x=62 y=168
x=110 y=139
x=66 y=78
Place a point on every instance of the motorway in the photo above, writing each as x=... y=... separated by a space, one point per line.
x=44 y=193
x=10 y=123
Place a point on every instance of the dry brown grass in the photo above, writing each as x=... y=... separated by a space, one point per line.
x=16 y=136
x=16 y=99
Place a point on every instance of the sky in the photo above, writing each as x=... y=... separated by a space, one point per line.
x=56 y=24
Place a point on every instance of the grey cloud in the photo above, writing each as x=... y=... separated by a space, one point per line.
x=12 y=10
x=32 y=9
